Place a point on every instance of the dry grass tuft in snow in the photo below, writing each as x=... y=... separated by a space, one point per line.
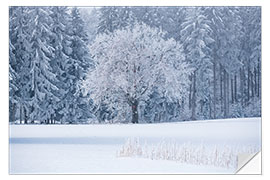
x=197 y=154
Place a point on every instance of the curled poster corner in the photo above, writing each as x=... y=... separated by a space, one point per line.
x=244 y=159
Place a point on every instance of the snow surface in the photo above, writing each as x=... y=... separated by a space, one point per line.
x=86 y=149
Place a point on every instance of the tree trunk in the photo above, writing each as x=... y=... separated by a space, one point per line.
x=242 y=82
x=232 y=89
x=193 y=115
x=225 y=93
x=210 y=108
x=25 y=116
x=251 y=84
x=235 y=88
x=254 y=82
x=201 y=106
x=215 y=89
x=51 y=120
x=135 y=118
x=248 y=88
x=13 y=112
x=21 y=114
x=259 y=80
x=190 y=96
x=221 y=89
x=228 y=95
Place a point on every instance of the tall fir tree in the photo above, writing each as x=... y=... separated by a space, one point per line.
x=20 y=57
x=42 y=82
x=62 y=62
x=112 y=18
x=196 y=39
x=74 y=107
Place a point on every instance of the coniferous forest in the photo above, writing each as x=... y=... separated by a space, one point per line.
x=70 y=65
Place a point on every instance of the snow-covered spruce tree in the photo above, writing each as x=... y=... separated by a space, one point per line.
x=236 y=73
x=225 y=25
x=61 y=61
x=168 y=19
x=74 y=105
x=91 y=19
x=152 y=16
x=112 y=18
x=229 y=54
x=256 y=50
x=13 y=74
x=172 y=21
x=130 y=64
x=250 y=72
x=42 y=81
x=195 y=36
x=255 y=79
x=13 y=87
x=214 y=14
x=251 y=50
x=80 y=51
x=48 y=55
x=19 y=62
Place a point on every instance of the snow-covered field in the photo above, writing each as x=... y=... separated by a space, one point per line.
x=86 y=149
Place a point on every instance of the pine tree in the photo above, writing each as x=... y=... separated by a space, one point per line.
x=61 y=42
x=250 y=58
x=74 y=104
x=42 y=80
x=13 y=88
x=112 y=18
x=91 y=20
x=195 y=38
x=20 y=50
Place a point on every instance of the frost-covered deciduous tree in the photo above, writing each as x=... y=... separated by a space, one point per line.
x=130 y=64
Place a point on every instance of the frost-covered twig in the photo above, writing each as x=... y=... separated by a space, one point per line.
x=198 y=154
